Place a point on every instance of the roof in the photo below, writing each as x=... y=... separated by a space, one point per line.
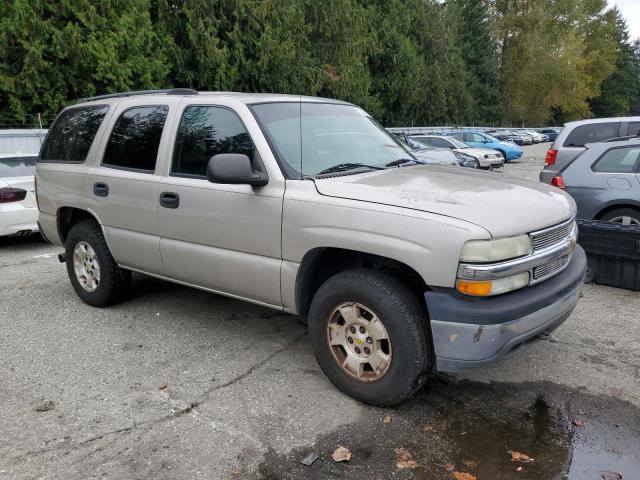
x=602 y=120
x=248 y=98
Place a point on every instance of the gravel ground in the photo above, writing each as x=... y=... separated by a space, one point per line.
x=179 y=383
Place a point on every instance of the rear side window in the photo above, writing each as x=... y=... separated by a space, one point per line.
x=206 y=131
x=17 y=167
x=135 y=138
x=634 y=129
x=592 y=133
x=72 y=134
x=618 y=160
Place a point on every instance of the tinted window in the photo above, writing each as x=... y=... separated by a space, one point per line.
x=618 y=160
x=634 y=129
x=135 y=138
x=72 y=134
x=440 y=143
x=17 y=166
x=205 y=132
x=591 y=133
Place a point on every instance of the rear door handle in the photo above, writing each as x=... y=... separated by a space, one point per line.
x=100 y=189
x=169 y=200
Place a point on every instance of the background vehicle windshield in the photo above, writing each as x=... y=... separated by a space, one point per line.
x=310 y=138
x=458 y=143
x=17 y=166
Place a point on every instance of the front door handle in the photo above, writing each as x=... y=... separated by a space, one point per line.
x=100 y=189
x=169 y=200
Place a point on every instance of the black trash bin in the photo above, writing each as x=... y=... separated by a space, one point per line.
x=613 y=253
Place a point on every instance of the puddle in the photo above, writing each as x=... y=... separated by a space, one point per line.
x=473 y=426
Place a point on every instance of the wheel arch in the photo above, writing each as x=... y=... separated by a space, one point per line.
x=616 y=206
x=320 y=264
x=67 y=217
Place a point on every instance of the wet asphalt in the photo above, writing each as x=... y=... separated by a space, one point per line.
x=176 y=383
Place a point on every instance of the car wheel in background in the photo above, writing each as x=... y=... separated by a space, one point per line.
x=370 y=336
x=93 y=272
x=624 y=216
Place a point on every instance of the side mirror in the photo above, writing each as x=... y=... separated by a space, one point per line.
x=234 y=169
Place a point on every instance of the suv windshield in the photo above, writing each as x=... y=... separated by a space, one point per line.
x=315 y=138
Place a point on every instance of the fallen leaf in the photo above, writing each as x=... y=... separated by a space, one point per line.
x=405 y=459
x=428 y=428
x=163 y=386
x=519 y=457
x=449 y=467
x=463 y=476
x=386 y=419
x=519 y=469
x=577 y=422
x=469 y=463
x=607 y=475
x=46 y=406
x=341 y=454
x=235 y=472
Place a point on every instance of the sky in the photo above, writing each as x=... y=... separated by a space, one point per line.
x=631 y=11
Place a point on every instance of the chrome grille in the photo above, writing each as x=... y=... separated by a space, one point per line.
x=551 y=236
x=550 y=268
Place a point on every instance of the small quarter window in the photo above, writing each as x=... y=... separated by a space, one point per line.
x=618 y=160
x=135 y=139
x=206 y=131
x=70 y=137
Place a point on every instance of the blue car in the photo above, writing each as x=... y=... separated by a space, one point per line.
x=510 y=151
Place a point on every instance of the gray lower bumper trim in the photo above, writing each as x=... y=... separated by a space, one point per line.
x=461 y=346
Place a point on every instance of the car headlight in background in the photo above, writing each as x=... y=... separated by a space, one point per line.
x=485 y=251
x=466 y=160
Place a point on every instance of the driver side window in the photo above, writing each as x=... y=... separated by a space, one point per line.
x=205 y=131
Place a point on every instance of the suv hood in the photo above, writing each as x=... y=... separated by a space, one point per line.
x=501 y=204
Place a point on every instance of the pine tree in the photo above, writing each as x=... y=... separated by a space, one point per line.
x=619 y=89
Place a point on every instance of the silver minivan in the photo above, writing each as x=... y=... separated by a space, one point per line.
x=575 y=135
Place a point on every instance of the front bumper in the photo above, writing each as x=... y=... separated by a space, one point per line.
x=469 y=332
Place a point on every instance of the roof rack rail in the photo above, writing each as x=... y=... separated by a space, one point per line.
x=168 y=91
x=620 y=139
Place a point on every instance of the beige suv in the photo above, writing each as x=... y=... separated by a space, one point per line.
x=307 y=205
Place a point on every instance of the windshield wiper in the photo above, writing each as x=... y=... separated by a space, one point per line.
x=343 y=167
x=402 y=161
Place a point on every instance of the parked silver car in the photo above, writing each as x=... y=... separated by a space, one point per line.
x=604 y=181
x=486 y=157
x=306 y=205
x=571 y=141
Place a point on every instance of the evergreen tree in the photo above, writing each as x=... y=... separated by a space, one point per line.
x=619 y=89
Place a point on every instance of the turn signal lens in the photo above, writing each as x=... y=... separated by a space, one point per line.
x=481 y=289
x=558 y=181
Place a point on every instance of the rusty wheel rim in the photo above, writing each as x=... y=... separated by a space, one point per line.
x=359 y=342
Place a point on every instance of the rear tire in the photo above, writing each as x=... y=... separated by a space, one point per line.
x=391 y=332
x=624 y=216
x=93 y=272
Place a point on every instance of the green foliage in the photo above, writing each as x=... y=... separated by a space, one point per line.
x=408 y=62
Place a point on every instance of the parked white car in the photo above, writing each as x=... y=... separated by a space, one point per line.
x=486 y=157
x=18 y=207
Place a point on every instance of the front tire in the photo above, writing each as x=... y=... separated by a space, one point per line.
x=370 y=336
x=93 y=272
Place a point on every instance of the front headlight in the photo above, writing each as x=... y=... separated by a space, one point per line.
x=486 y=251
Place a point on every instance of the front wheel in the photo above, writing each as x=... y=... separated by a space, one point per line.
x=370 y=336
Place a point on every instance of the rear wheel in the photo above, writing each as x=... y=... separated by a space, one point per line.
x=370 y=337
x=624 y=216
x=93 y=272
